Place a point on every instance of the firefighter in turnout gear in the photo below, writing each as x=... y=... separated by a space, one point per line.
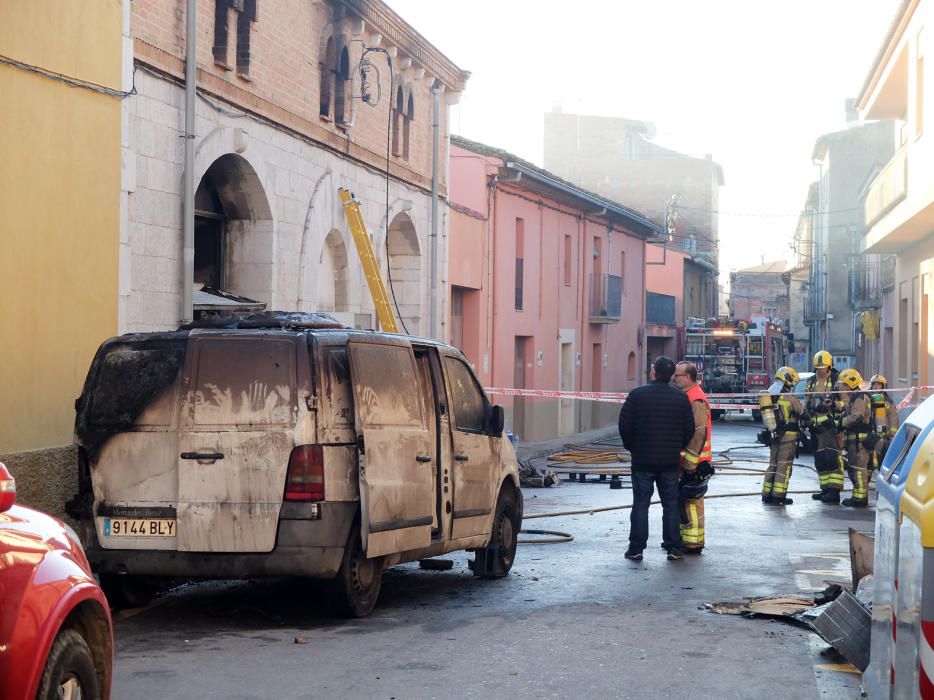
x=884 y=418
x=823 y=406
x=696 y=469
x=855 y=424
x=782 y=415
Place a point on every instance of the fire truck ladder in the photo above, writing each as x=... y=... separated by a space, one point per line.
x=387 y=319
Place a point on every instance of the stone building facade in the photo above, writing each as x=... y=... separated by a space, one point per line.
x=290 y=107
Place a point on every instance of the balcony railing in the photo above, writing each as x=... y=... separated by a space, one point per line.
x=865 y=282
x=888 y=189
x=606 y=298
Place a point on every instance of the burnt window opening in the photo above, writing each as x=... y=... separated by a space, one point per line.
x=406 y=126
x=327 y=78
x=397 y=118
x=210 y=236
x=246 y=15
x=341 y=79
x=126 y=384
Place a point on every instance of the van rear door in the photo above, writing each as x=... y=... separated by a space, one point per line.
x=396 y=453
x=236 y=435
x=127 y=433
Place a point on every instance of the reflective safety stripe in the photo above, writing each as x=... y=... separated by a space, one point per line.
x=692 y=533
x=856 y=436
x=766 y=488
x=831 y=479
x=860 y=490
x=695 y=393
x=689 y=456
x=781 y=487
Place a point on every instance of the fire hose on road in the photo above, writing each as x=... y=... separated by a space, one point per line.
x=561 y=537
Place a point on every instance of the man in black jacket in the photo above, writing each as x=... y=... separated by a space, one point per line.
x=655 y=423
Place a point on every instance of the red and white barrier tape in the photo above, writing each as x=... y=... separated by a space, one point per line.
x=620 y=397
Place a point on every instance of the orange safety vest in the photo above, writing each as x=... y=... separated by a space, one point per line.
x=695 y=393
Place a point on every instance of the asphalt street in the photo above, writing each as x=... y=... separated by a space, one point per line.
x=572 y=620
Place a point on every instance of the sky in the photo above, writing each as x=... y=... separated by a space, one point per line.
x=753 y=83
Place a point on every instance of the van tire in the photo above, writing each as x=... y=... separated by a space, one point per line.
x=358 y=582
x=127 y=591
x=70 y=664
x=504 y=539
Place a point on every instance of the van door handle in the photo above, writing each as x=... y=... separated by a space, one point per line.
x=422 y=458
x=205 y=456
x=461 y=458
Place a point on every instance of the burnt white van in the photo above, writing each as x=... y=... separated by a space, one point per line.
x=288 y=445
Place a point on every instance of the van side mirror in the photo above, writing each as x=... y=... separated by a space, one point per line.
x=496 y=422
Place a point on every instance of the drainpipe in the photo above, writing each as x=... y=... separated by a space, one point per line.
x=436 y=89
x=188 y=181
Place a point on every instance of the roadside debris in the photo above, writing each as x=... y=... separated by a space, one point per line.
x=861 y=555
x=841 y=618
x=785 y=607
x=436 y=564
x=530 y=476
x=844 y=624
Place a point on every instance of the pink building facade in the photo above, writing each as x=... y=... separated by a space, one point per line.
x=664 y=289
x=547 y=288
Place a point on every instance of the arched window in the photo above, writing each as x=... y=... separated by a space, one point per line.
x=631 y=366
x=328 y=73
x=340 y=90
x=397 y=119
x=406 y=125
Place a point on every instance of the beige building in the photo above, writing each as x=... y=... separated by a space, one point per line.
x=761 y=290
x=899 y=202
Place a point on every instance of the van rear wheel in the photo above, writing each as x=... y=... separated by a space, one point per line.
x=496 y=560
x=359 y=579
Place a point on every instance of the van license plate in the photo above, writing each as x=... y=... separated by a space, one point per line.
x=138 y=527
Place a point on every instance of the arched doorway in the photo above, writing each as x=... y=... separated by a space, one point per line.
x=332 y=274
x=234 y=245
x=405 y=271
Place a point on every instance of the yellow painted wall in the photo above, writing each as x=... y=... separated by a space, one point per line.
x=59 y=211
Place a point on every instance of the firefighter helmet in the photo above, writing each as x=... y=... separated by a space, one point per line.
x=787 y=375
x=822 y=358
x=851 y=378
x=879 y=379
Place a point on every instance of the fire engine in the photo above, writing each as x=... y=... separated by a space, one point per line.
x=734 y=357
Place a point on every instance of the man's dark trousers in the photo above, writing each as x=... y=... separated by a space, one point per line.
x=643 y=486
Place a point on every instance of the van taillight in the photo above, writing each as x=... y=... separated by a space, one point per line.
x=305 y=479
